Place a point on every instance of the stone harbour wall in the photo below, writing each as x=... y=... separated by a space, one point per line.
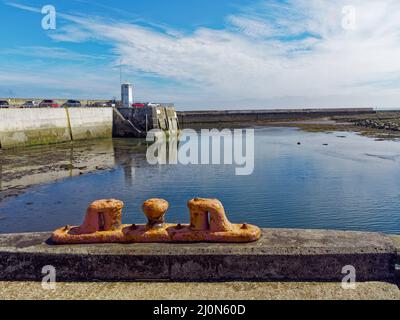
x=90 y=123
x=214 y=116
x=136 y=122
x=28 y=127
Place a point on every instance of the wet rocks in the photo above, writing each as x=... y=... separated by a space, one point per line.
x=390 y=124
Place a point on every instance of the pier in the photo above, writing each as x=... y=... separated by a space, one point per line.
x=251 y=116
x=36 y=126
x=21 y=127
x=280 y=255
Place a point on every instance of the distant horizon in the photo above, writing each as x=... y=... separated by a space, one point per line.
x=205 y=54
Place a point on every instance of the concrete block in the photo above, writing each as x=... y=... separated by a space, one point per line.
x=26 y=127
x=90 y=123
x=36 y=126
x=396 y=241
x=280 y=255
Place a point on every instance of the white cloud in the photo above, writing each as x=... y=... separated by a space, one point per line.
x=271 y=55
x=22 y=7
x=50 y=53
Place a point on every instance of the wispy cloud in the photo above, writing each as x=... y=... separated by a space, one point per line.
x=51 y=53
x=291 y=54
x=22 y=6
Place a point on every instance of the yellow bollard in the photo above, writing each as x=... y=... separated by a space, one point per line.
x=208 y=223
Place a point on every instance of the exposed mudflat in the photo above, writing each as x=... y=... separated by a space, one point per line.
x=381 y=126
x=25 y=167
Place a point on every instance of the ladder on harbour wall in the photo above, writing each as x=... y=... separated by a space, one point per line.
x=136 y=122
x=123 y=127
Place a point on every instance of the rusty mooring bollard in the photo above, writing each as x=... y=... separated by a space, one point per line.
x=155 y=210
x=208 y=223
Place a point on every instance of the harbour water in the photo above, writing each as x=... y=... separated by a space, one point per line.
x=334 y=180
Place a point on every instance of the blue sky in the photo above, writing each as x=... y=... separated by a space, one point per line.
x=206 y=54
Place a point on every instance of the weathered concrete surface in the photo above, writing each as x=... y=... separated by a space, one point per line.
x=214 y=116
x=90 y=123
x=199 y=291
x=123 y=127
x=144 y=119
x=281 y=254
x=396 y=241
x=22 y=127
x=39 y=126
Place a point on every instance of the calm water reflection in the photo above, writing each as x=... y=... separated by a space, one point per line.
x=352 y=183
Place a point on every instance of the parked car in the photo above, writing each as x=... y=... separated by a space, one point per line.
x=4 y=104
x=30 y=104
x=111 y=103
x=72 y=104
x=139 y=105
x=49 y=104
x=99 y=104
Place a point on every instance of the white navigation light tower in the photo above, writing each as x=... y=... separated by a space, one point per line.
x=127 y=95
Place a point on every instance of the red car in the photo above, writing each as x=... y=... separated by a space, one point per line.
x=49 y=104
x=138 y=105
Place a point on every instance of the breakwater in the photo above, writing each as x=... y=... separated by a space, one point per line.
x=27 y=127
x=214 y=116
x=35 y=126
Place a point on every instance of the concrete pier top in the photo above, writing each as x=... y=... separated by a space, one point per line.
x=281 y=254
x=273 y=241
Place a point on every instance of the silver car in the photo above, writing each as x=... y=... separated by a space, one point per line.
x=30 y=104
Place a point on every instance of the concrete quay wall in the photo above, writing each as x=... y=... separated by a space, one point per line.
x=27 y=127
x=214 y=116
x=90 y=123
x=136 y=122
x=280 y=255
